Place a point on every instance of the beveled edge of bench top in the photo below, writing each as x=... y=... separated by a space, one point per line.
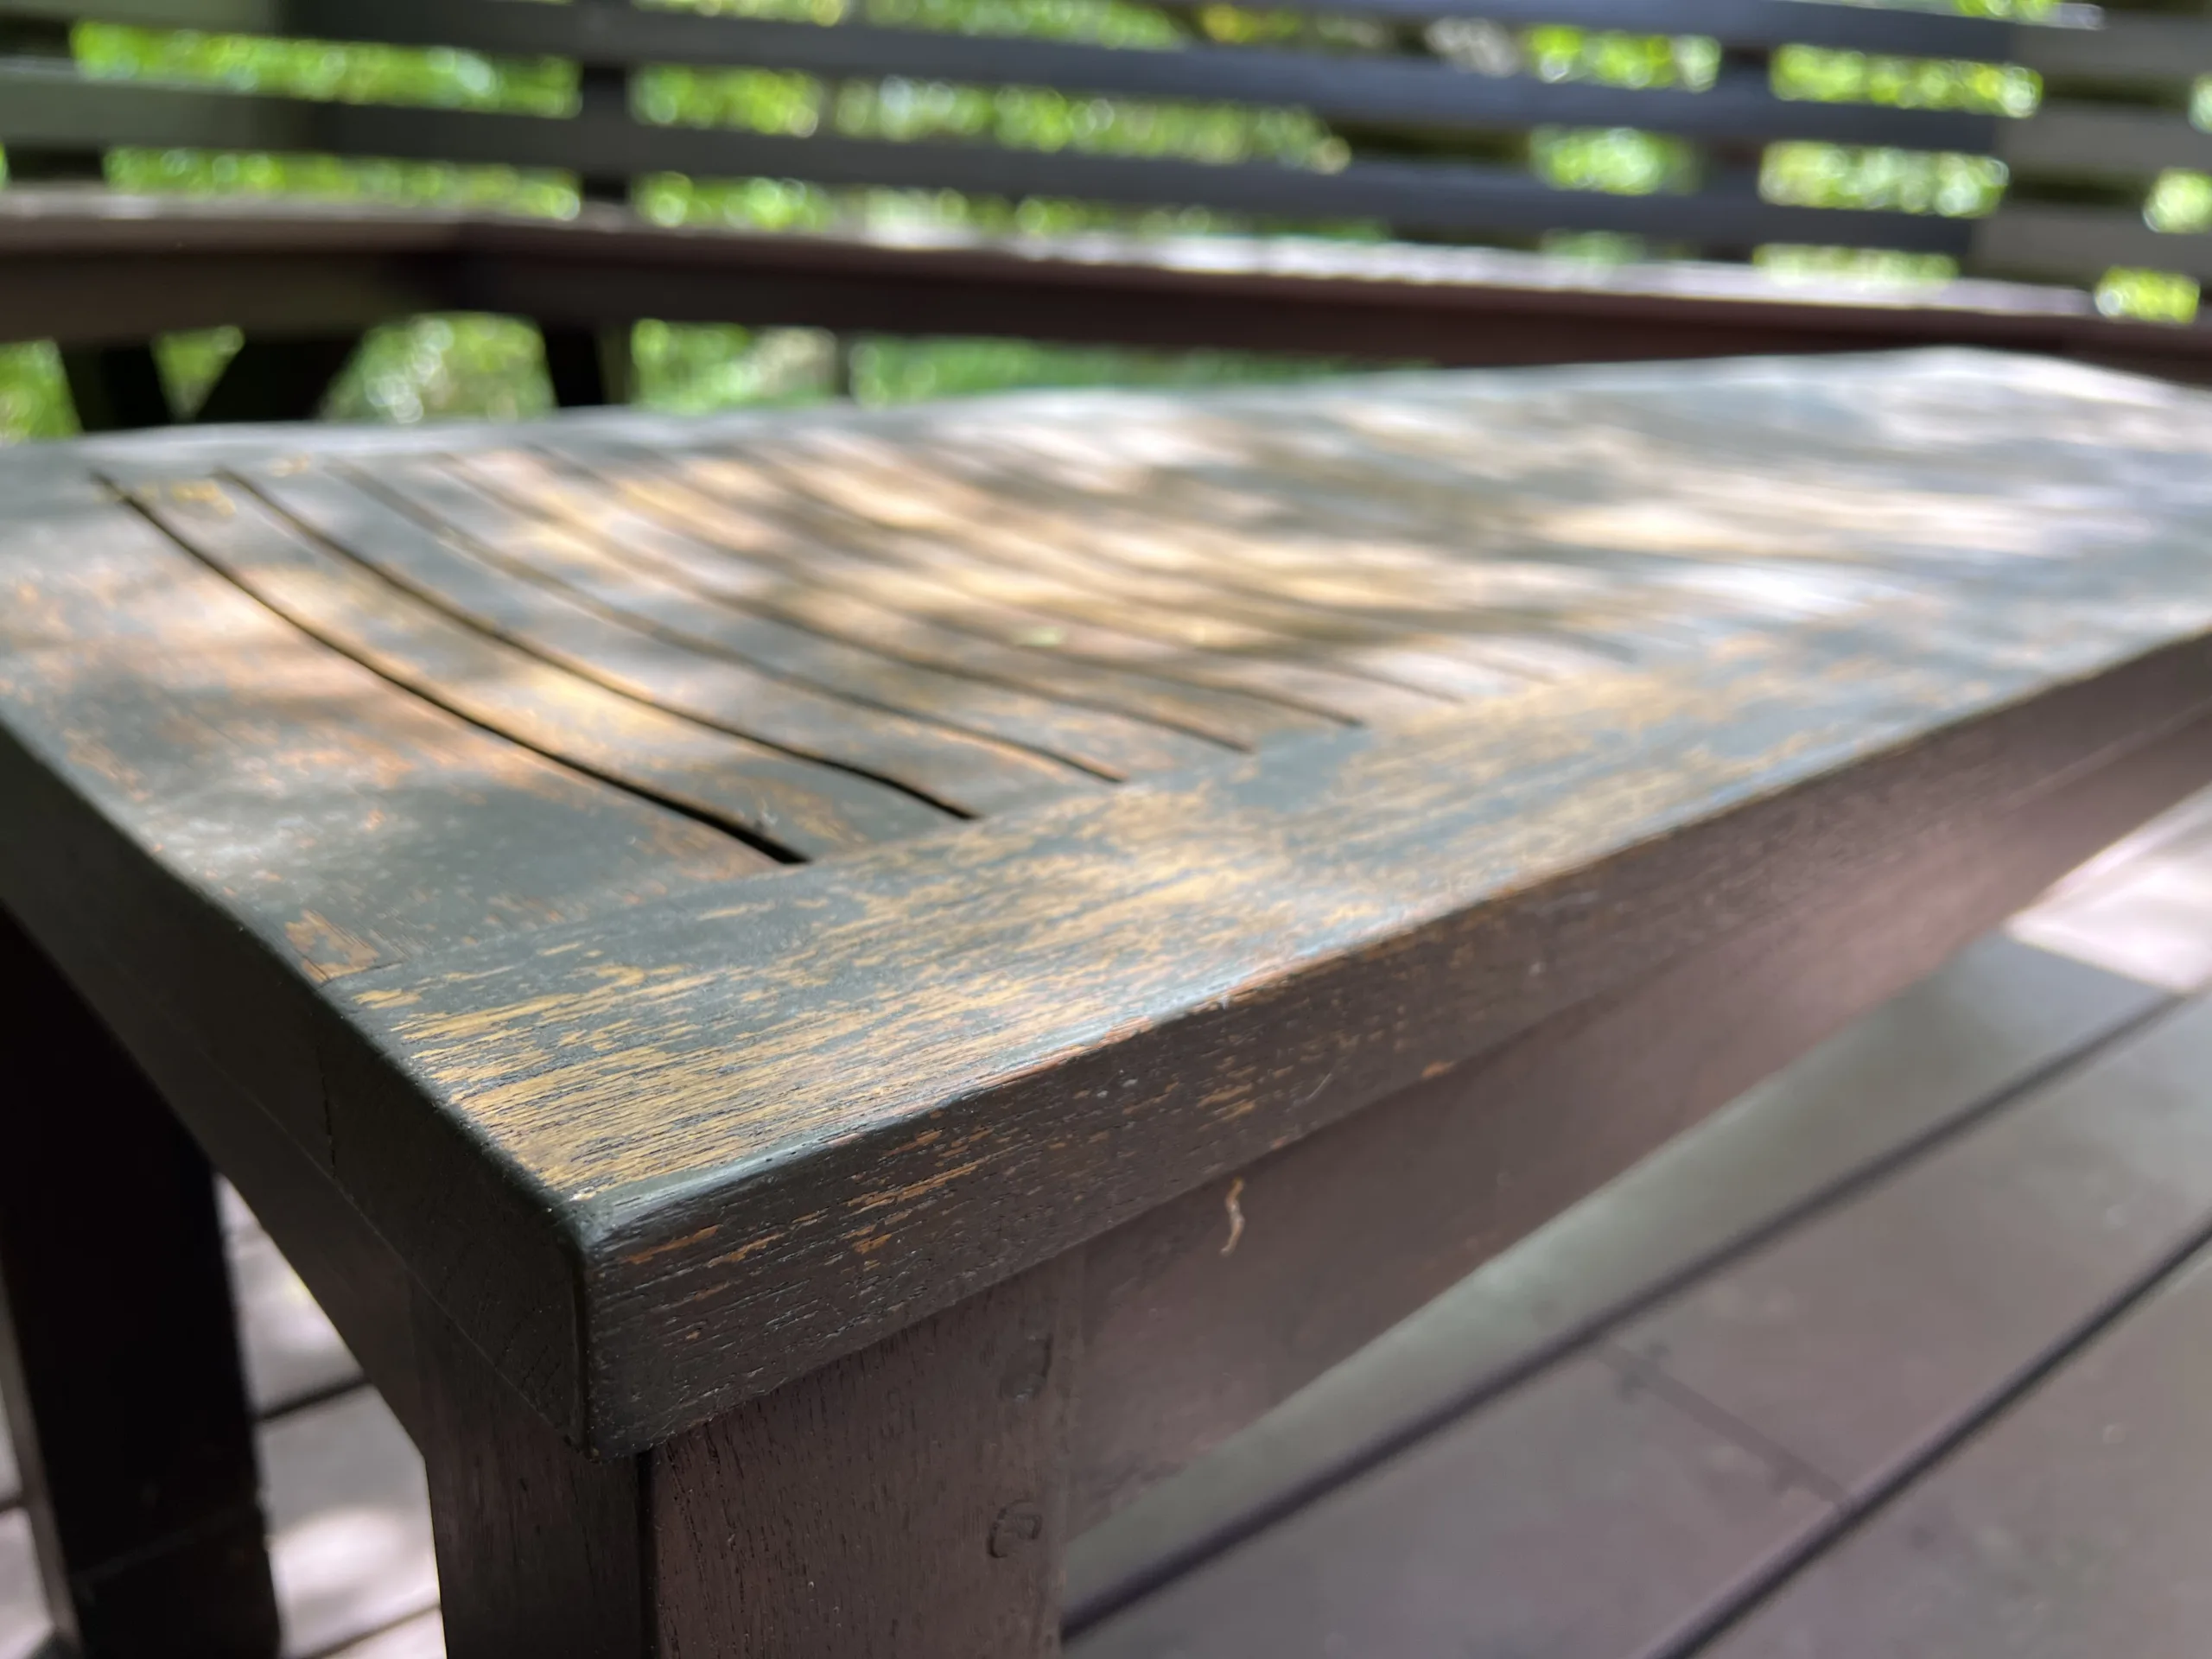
x=661 y=1160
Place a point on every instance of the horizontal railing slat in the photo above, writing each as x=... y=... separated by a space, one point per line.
x=2081 y=244
x=1382 y=92
x=2130 y=48
x=57 y=109
x=2095 y=141
x=524 y=26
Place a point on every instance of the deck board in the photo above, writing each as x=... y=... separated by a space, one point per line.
x=2075 y=1525
x=1860 y=1341
x=1617 y=1513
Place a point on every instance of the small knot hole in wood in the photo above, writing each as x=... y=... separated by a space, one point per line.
x=1018 y=1526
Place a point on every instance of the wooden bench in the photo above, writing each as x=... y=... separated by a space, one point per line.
x=1420 y=120
x=826 y=999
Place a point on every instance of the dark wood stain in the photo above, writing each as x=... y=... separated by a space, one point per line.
x=1942 y=1053
x=821 y=583
x=1351 y=1228
x=118 y=1361
x=540 y=1551
x=1312 y=989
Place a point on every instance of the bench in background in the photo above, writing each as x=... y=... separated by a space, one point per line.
x=1424 y=124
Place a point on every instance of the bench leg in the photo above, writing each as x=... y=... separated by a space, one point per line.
x=116 y=388
x=588 y=368
x=118 y=1355
x=276 y=379
x=907 y=1503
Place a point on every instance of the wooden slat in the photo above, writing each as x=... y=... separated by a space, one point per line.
x=1336 y=87
x=752 y=558
x=46 y=108
x=1906 y=30
x=967 y=774
x=2081 y=244
x=1255 y=555
x=1340 y=88
x=615 y=565
x=90 y=266
x=808 y=809
x=2073 y=1524
x=2126 y=48
x=942 y=588
x=1543 y=832
x=1077 y=606
x=113 y=635
x=2073 y=140
x=1981 y=1025
x=904 y=491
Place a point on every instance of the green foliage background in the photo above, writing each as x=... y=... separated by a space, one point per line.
x=445 y=367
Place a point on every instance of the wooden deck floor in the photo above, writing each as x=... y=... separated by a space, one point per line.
x=1907 y=1352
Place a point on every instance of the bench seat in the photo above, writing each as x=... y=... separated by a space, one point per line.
x=2060 y=150
x=948 y=959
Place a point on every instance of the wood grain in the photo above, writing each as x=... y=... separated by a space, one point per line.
x=965 y=774
x=636 y=566
x=907 y=1503
x=769 y=797
x=1990 y=1020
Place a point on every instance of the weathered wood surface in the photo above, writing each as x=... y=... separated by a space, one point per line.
x=908 y=1501
x=2107 y=123
x=700 y=1128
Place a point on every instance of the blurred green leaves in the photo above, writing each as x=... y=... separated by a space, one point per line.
x=451 y=366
